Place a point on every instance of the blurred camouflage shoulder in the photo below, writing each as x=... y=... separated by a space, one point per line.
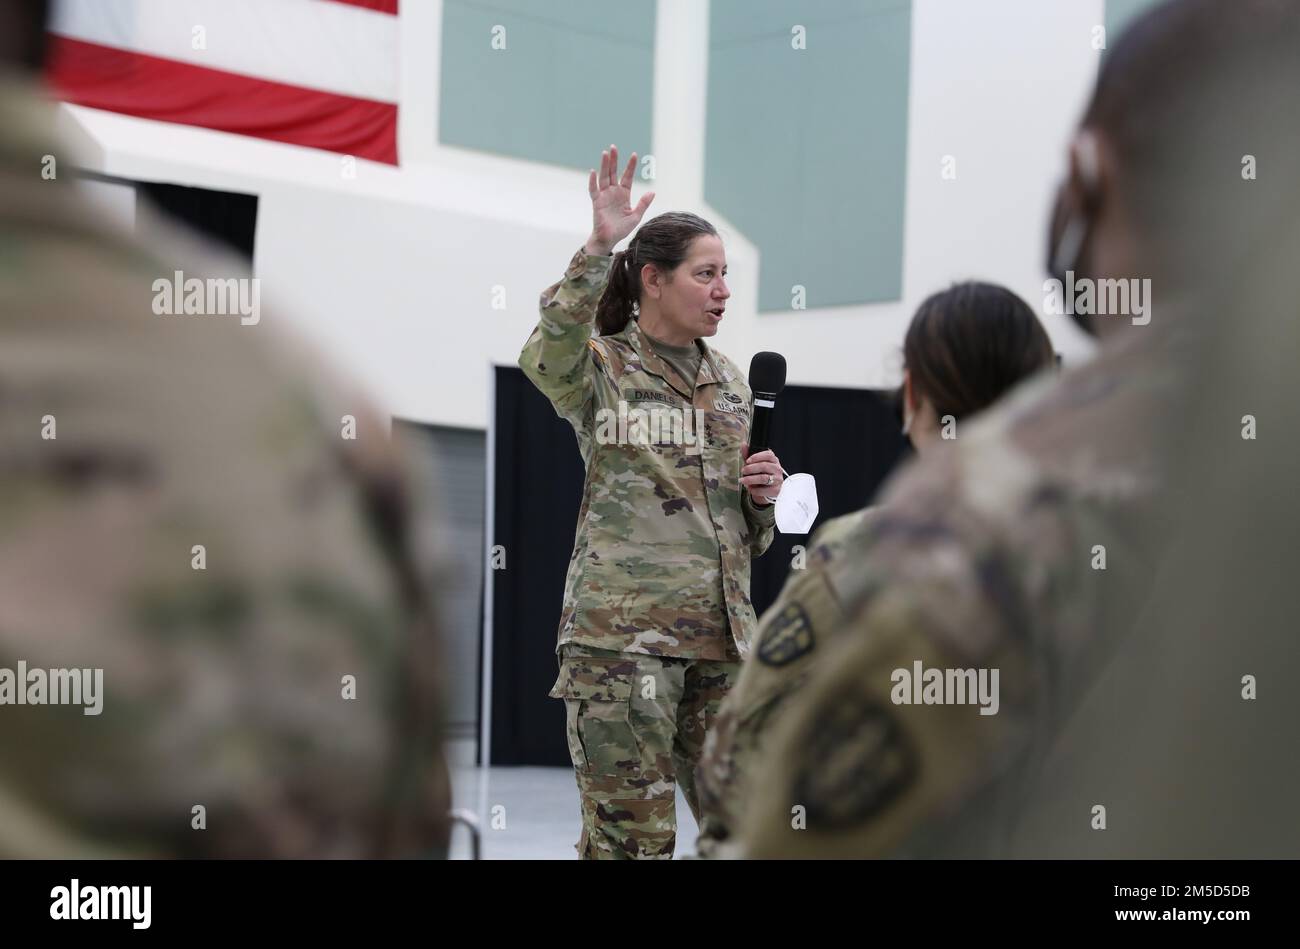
x=194 y=505
x=1024 y=547
x=789 y=634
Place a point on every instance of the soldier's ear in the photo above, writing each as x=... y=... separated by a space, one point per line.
x=652 y=280
x=909 y=400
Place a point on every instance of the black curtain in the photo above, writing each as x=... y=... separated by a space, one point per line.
x=536 y=496
x=227 y=217
x=848 y=439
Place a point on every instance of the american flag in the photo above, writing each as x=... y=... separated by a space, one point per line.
x=316 y=73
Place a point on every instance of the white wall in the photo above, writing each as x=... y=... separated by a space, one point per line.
x=394 y=271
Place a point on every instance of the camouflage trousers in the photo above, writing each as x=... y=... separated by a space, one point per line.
x=636 y=727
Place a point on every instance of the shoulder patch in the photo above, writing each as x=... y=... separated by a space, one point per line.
x=612 y=355
x=789 y=637
x=855 y=761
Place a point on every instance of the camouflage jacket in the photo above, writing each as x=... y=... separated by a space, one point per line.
x=181 y=515
x=807 y=612
x=1023 y=550
x=661 y=561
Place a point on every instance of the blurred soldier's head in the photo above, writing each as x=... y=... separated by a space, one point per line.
x=1184 y=163
x=22 y=34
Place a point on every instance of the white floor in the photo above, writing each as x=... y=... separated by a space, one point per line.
x=531 y=813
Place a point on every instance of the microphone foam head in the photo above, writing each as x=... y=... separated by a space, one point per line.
x=767 y=373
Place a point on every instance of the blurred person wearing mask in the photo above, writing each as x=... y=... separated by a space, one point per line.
x=1002 y=577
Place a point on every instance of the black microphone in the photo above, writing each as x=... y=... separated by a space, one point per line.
x=766 y=379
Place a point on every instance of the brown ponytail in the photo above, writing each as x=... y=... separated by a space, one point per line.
x=618 y=301
x=665 y=242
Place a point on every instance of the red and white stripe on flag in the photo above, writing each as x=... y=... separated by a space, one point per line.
x=318 y=73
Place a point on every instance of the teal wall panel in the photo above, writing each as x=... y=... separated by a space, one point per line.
x=574 y=76
x=806 y=149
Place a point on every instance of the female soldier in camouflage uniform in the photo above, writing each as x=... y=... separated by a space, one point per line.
x=966 y=347
x=656 y=613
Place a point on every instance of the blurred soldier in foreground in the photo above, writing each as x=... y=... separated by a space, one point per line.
x=1004 y=579
x=217 y=631
x=965 y=348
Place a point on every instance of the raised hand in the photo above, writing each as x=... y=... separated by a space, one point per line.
x=612 y=215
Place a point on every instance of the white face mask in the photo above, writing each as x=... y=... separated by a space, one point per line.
x=796 y=505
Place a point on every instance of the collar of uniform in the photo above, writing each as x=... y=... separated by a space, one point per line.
x=710 y=371
x=651 y=363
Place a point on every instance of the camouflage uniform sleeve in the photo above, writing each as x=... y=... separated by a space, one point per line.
x=864 y=764
x=762 y=524
x=555 y=356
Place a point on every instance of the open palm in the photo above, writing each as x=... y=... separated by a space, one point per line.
x=612 y=213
